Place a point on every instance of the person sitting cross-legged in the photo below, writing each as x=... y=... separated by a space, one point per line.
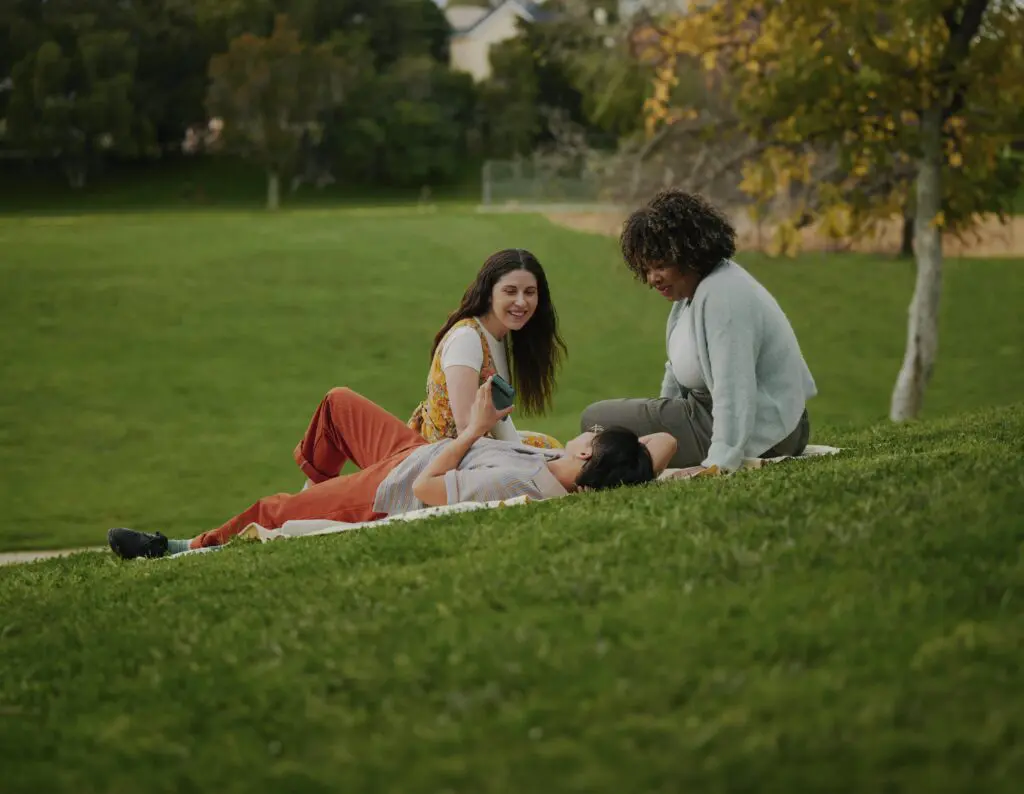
x=401 y=471
x=735 y=384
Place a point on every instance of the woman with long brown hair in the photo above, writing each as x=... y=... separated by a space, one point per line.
x=506 y=324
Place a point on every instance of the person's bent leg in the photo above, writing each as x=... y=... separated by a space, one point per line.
x=687 y=419
x=349 y=499
x=347 y=426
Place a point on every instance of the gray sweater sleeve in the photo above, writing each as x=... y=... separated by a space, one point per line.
x=731 y=321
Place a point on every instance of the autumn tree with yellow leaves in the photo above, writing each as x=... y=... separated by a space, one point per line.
x=859 y=109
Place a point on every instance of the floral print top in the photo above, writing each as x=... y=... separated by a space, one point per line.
x=433 y=418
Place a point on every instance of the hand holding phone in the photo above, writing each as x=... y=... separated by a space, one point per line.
x=502 y=392
x=485 y=413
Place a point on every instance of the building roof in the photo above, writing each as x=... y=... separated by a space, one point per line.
x=465 y=19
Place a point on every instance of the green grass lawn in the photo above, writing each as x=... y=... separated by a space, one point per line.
x=195 y=184
x=841 y=624
x=851 y=624
x=158 y=369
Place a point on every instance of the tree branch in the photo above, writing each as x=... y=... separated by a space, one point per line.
x=960 y=35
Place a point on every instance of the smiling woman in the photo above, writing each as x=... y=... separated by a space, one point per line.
x=506 y=324
x=735 y=384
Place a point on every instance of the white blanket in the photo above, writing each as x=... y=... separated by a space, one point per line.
x=322 y=526
x=297 y=529
x=811 y=451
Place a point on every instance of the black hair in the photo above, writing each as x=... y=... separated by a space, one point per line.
x=618 y=459
x=677 y=228
x=536 y=348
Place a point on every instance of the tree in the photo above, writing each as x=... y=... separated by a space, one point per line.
x=270 y=93
x=74 y=102
x=406 y=127
x=393 y=29
x=585 y=41
x=571 y=63
x=857 y=108
x=509 y=100
x=88 y=80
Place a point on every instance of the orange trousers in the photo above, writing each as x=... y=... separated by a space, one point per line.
x=345 y=427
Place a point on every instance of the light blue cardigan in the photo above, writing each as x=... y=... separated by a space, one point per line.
x=751 y=362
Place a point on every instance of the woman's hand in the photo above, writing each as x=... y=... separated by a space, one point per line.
x=689 y=473
x=483 y=416
x=429 y=487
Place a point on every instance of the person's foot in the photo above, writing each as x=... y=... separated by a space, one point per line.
x=129 y=543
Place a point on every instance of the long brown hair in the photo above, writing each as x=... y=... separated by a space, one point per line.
x=537 y=348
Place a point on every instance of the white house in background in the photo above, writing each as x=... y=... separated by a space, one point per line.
x=475 y=30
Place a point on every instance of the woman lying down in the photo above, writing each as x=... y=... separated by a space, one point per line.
x=400 y=471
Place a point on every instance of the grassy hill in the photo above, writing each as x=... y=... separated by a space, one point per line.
x=850 y=624
x=158 y=368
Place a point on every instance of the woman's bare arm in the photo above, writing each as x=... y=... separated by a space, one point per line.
x=463 y=383
x=662 y=447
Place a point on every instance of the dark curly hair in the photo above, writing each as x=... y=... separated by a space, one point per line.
x=677 y=228
x=536 y=349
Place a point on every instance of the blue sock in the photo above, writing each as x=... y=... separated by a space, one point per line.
x=175 y=546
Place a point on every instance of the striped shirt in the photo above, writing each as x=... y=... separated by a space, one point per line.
x=491 y=470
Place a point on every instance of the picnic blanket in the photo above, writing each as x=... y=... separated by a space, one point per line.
x=296 y=529
x=320 y=526
x=307 y=527
x=811 y=451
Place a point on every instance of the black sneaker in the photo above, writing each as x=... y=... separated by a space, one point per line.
x=129 y=544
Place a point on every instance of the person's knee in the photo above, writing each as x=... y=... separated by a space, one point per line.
x=340 y=396
x=592 y=415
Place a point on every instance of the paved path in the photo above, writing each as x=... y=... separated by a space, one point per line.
x=13 y=557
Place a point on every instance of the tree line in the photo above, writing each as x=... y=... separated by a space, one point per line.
x=361 y=90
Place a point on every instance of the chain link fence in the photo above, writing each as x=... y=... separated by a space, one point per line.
x=532 y=182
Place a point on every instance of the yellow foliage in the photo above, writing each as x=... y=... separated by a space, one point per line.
x=785 y=240
x=837 y=221
x=787 y=69
x=753 y=181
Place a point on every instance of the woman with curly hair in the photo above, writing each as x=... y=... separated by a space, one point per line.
x=735 y=384
x=506 y=324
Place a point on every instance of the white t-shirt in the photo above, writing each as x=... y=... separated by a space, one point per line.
x=682 y=354
x=461 y=348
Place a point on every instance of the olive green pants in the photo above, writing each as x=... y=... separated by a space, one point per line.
x=687 y=419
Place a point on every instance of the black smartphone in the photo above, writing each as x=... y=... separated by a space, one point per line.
x=502 y=392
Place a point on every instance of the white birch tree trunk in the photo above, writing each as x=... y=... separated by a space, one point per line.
x=273 y=190
x=923 y=321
